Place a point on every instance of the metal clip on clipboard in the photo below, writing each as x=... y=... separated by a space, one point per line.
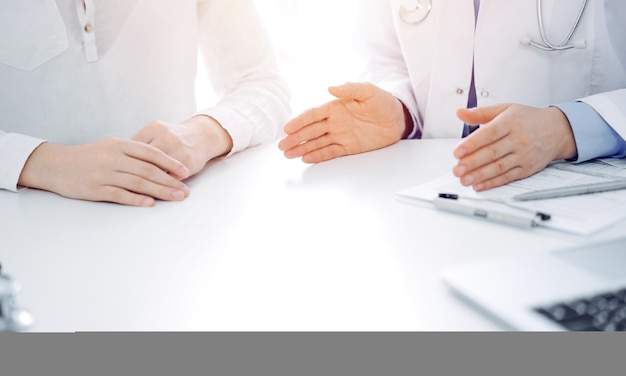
x=12 y=318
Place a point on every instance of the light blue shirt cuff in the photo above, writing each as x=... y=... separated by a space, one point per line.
x=594 y=137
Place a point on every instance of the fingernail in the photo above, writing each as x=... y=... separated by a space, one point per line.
x=184 y=171
x=468 y=180
x=460 y=170
x=479 y=187
x=459 y=152
x=178 y=195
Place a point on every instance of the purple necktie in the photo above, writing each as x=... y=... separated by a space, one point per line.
x=471 y=100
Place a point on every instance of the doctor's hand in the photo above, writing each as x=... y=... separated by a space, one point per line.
x=114 y=170
x=513 y=142
x=193 y=142
x=363 y=118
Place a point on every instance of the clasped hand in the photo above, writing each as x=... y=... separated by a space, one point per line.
x=152 y=165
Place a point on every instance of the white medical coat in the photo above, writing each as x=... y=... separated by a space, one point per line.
x=428 y=65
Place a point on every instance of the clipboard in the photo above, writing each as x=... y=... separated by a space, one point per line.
x=579 y=215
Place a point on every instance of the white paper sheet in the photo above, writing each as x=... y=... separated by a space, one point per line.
x=581 y=214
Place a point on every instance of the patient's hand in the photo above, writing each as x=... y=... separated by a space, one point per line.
x=193 y=142
x=115 y=170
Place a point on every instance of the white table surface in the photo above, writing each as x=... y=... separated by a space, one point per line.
x=264 y=244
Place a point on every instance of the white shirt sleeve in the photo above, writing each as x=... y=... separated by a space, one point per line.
x=14 y=152
x=243 y=70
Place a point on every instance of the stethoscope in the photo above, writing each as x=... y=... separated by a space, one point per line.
x=415 y=11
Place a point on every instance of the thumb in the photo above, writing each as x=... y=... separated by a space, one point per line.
x=360 y=91
x=480 y=115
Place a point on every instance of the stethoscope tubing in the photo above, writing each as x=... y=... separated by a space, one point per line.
x=405 y=13
x=564 y=45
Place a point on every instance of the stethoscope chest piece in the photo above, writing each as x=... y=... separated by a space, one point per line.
x=414 y=11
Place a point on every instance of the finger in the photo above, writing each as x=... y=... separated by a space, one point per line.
x=489 y=171
x=325 y=154
x=158 y=158
x=305 y=134
x=480 y=115
x=483 y=156
x=360 y=91
x=142 y=186
x=144 y=135
x=482 y=137
x=500 y=180
x=288 y=142
x=124 y=197
x=158 y=135
x=149 y=132
x=148 y=171
x=309 y=147
x=308 y=117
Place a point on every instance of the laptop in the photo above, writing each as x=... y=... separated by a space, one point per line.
x=581 y=288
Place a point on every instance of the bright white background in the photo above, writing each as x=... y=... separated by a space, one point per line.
x=313 y=41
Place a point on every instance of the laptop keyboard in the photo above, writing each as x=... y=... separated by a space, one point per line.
x=601 y=312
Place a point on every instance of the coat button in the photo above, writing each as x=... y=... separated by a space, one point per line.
x=459 y=91
x=484 y=93
x=88 y=28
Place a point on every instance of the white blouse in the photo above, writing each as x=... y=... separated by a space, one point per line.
x=76 y=71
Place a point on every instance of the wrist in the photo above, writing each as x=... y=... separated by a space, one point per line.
x=36 y=170
x=567 y=144
x=216 y=140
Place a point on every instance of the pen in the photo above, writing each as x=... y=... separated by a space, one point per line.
x=541 y=215
x=452 y=204
x=571 y=190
